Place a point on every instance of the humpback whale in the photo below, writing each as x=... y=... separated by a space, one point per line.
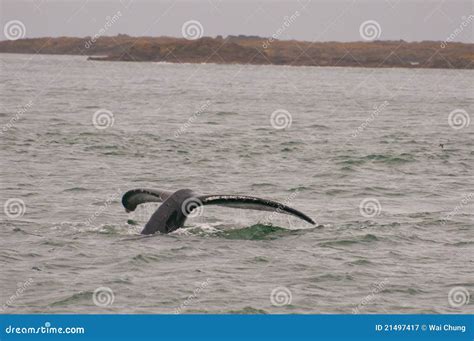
x=177 y=206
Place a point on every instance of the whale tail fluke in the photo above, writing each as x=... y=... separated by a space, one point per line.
x=135 y=197
x=131 y=199
x=252 y=203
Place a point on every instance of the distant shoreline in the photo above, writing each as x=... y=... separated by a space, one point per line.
x=254 y=50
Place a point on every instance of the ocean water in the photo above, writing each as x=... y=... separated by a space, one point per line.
x=381 y=159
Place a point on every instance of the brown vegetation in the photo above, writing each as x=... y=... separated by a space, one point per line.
x=254 y=50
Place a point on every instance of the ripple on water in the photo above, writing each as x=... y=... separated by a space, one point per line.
x=75 y=299
x=387 y=159
x=259 y=259
x=360 y=262
x=52 y=158
x=248 y=310
x=145 y=258
x=332 y=277
x=227 y=113
x=365 y=239
x=256 y=232
x=75 y=189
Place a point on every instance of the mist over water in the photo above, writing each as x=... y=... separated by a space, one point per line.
x=369 y=154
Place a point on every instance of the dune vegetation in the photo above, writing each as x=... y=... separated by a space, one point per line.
x=254 y=50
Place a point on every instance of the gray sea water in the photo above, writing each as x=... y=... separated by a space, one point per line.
x=362 y=157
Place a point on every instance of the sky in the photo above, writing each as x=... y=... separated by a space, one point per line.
x=314 y=20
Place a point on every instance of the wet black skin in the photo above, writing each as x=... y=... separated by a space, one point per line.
x=176 y=206
x=170 y=215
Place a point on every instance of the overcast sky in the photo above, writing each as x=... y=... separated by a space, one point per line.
x=336 y=20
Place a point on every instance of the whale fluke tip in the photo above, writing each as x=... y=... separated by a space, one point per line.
x=171 y=216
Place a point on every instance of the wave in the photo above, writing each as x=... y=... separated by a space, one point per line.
x=74 y=299
x=368 y=238
x=227 y=113
x=377 y=158
x=253 y=232
x=248 y=310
